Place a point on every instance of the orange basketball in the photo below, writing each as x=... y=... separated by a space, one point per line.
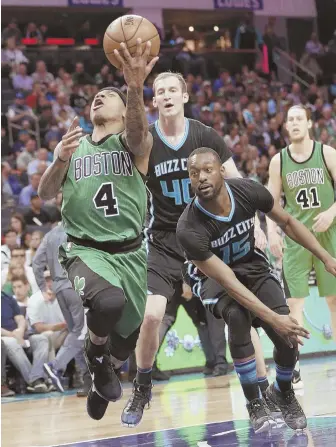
x=128 y=29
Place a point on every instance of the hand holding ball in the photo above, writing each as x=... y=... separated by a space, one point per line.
x=128 y=29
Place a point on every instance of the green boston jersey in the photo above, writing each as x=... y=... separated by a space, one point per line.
x=104 y=195
x=307 y=185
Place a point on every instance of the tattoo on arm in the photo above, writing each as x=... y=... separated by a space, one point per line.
x=53 y=178
x=136 y=124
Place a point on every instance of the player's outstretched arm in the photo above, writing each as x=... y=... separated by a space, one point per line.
x=136 y=69
x=324 y=220
x=284 y=325
x=53 y=178
x=300 y=234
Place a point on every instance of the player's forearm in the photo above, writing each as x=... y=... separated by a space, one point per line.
x=272 y=227
x=52 y=179
x=246 y=298
x=214 y=268
x=136 y=124
x=300 y=234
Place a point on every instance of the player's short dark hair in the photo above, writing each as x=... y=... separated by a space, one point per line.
x=117 y=91
x=205 y=150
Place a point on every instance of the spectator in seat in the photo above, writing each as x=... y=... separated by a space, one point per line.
x=22 y=81
x=273 y=135
x=44 y=32
x=27 y=155
x=80 y=76
x=32 y=32
x=17 y=341
x=36 y=215
x=233 y=137
x=11 y=31
x=29 y=190
x=314 y=46
x=45 y=317
x=41 y=156
x=19 y=111
x=77 y=99
x=35 y=241
x=41 y=74
x=11 y=56
x=20 y=143
x=61 y=103
x=21 y=288
x=54 y=208
x=13 y=270
x=5 y=391
x=7 y=247
x=18 y=259
x=46 y=120
x=18 y=224
x=10 y=183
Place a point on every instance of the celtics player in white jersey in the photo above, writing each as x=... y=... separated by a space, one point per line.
x=305 y=172
x=103 y=211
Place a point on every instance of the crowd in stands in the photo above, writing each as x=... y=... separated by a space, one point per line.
x=247 y=109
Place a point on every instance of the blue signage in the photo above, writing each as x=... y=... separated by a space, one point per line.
x=97 y=3
x=251 y=5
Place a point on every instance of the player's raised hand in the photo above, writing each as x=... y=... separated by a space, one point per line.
x=70 y=141
x=289 y=329
x=330 y=265
x=323 y=221
x=276 y=244
x=136 y=68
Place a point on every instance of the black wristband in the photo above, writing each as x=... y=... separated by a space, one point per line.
x=63 y=161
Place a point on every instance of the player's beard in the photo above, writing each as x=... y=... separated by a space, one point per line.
x=212 y=194
x=99 y=120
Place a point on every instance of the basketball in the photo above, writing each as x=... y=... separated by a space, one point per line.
x=128 y=29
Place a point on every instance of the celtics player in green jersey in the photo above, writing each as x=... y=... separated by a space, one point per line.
x=305 y=172
x=103 y=212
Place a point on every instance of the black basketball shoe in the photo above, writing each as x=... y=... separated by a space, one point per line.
x=289 y=406
x=260 y=416
x=104 y=379
x=133 y=411
x=275 y=411
x=96 y=406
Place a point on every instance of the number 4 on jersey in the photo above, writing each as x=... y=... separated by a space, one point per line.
x=104 y=198
x=308 y=198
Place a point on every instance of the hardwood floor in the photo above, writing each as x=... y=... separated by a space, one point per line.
x=182 y=402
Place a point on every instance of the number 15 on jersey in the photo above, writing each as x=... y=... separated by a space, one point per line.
x=180 y=190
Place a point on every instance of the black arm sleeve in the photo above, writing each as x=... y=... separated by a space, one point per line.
x=195 y=244
x=211 y=139
x=262 y=198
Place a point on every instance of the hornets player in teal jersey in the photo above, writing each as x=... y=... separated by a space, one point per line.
x=103 y=211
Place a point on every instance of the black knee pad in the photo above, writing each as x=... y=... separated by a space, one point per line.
x=238 y=320
x=105 y=310
x=121 y=348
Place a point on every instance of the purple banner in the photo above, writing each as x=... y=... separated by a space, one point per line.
x=251 y=5
x=97 y=3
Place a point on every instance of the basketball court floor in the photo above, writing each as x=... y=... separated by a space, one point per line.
x=186 y=411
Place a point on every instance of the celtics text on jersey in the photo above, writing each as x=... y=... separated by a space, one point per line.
x=308 y=186
x=104 y=196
